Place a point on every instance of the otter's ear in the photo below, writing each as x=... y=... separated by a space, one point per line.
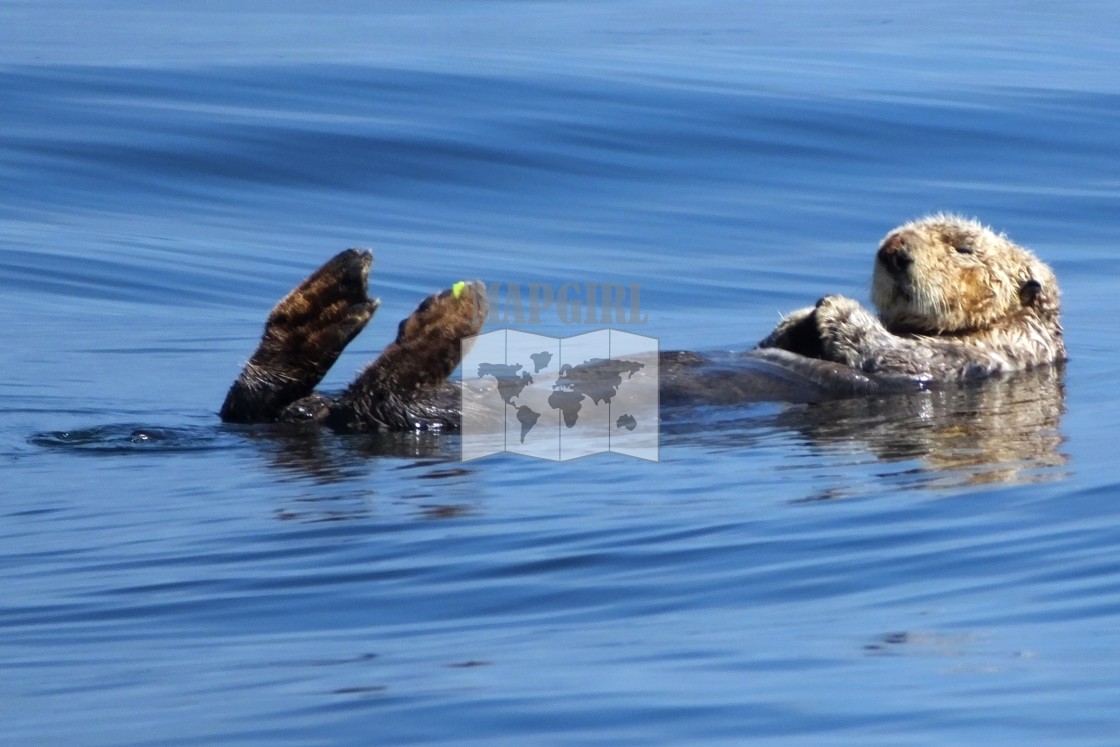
x=1029 y=291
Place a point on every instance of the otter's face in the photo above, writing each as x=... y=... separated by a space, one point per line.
x=945 y=275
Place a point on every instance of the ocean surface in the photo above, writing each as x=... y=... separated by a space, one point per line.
x=929 y=570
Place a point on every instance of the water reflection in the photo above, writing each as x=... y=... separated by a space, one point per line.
x=347 y=465
x=119 y=439
x=327 y=457
x=1001 y=431
x=336 y=474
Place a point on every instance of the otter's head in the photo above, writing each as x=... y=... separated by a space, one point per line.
x=949 y=275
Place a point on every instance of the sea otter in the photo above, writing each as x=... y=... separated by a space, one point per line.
x=956 y=302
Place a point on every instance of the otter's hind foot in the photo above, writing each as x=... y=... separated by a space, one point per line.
x=303 y=337
x=396 y=389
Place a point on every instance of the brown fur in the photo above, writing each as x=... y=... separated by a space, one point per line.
x=310 y=327
x=395 y=390
x=955 y=300
x=303 y=337
x=963 y=278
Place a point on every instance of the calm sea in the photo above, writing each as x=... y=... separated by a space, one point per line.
x=921 y=571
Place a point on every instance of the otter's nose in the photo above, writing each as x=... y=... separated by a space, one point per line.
x=894 y=255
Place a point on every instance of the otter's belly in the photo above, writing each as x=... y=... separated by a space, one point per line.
x=766 y=375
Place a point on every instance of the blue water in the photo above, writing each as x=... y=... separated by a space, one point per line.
x=942 y=569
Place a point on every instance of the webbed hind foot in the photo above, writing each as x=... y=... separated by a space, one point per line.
x=303 y=337
x=398 y=390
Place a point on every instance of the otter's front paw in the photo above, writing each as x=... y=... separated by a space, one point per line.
x=836 y=306
x=847 y=330
x=796 y=333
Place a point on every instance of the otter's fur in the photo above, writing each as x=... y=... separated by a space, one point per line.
x=309 y=328
x=955 y=302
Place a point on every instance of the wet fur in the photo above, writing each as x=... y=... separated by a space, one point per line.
x=955 y=301
x=311 y=326
x=303 y=337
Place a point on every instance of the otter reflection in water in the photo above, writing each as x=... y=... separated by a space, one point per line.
x=1002 y=431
